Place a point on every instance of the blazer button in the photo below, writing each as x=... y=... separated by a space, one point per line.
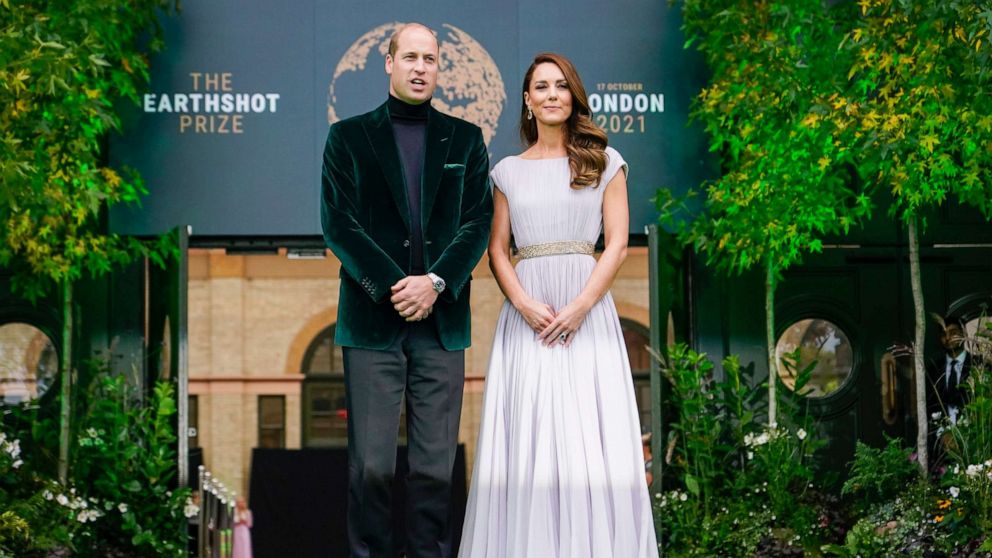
x=406 y=243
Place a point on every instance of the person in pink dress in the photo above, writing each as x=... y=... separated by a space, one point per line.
x=242 y=530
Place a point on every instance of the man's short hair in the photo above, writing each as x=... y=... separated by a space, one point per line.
x=394 y=41
x=954 y=320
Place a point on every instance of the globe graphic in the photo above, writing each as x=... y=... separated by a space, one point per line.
x=469 y=83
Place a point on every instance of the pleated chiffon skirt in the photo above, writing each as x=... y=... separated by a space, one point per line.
x=559 y=469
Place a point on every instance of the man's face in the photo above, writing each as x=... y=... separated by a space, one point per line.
x=413 y=70
x=952 y=338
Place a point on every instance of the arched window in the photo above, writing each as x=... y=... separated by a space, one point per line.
x=28 y=363
x=324 y=407
x=637 y=339
x=324 y=412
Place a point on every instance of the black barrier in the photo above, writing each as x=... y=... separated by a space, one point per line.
x=299 y=501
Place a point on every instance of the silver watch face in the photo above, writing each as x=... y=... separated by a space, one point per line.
x=438 y=283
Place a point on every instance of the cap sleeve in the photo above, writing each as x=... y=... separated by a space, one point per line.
x=497 y=177
x=614 y=164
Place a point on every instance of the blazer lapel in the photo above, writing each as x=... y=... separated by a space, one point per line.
x=436 y=146
x=380 y=134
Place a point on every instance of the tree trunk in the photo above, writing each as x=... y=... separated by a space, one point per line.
x=66 y=378
x=770 y=335
x=919 y=331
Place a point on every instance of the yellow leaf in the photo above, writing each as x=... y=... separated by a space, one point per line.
x=929 y=141
x=92 y=93
x=870 y=120
x=823 y=163
x=112 y=178
x=885 y=61
x=891 y=124
x=857 y=34
x=811 y=120
x=978 y=44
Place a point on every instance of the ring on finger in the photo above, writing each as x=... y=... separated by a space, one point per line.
x=562 y=338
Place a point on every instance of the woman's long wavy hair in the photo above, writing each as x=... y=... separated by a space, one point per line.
x=585 y=142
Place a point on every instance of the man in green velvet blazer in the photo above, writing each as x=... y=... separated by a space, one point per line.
x=406 y=206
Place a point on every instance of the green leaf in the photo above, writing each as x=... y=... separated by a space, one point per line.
x=692 y=485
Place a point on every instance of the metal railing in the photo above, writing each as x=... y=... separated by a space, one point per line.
x=216 y=515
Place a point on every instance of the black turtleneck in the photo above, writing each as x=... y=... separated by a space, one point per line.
x=410 y=129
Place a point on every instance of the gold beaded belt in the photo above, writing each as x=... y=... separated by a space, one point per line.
x=556 y=249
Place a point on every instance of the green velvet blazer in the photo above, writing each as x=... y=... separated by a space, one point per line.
x=365 y=216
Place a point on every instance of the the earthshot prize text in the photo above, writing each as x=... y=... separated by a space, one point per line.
x=211 y=107
x=619 y=107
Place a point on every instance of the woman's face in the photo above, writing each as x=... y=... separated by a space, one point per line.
x=549 y=96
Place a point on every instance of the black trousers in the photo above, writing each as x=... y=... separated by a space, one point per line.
x=432 y=379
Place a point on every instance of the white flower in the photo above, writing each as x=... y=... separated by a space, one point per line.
x=683 y=496
x=973 y=470
x=17 y=464
x=122 y=508
x=954 y=491
x=191 y=509
x=61 y=499
x=748 y=439
x=762 y=439
x=801 y=434
x=91 y=432
x=87 y=515
x=657 y=496
x=935 y=416
x=750 y=455
x=48 y=495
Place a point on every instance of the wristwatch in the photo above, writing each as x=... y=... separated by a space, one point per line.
x=438 y=282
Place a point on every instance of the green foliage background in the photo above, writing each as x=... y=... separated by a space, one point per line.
x=63 y=65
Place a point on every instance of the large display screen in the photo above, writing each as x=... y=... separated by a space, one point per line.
x=229 y=136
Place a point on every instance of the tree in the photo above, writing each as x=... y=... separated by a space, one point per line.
x=63 y=64
x=785 y=182
x=919 y=114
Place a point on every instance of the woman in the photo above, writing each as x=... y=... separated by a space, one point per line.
x=242 y=529
x=559 y=469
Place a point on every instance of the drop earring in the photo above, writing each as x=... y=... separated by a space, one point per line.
x=530 y=114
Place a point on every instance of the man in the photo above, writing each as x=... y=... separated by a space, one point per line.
x=406 y=207
x=948 y=374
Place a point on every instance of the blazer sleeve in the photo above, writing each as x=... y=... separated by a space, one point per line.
x=361 y=258
x=456 y=263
